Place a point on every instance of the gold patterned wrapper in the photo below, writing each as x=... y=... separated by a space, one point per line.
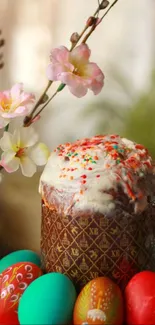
x=85 y=246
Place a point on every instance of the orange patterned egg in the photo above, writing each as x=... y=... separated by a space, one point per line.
x=100 y=302
x=13 y=282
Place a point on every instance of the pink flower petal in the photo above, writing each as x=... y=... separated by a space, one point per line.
x=92 y=70
x=59 y=55
x=79 y=91
x=54 y=70
x=96 y=76
x=96 y=87
x=27 y=98
x=9 y=162
x=80 y=53
x=16 y=90
x=7 y=94
x=3 y=97
x=20 y=111
x=70 y=79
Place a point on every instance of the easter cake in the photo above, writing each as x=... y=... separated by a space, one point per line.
x=98 y=209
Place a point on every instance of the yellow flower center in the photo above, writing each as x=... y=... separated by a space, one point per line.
x=78 y=68
x=6 y=104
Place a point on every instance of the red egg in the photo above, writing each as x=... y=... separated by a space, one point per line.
x=140 y=299
x=13 y=282
x=100 y=302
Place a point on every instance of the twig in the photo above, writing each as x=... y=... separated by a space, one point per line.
x=2 y=43
x=38 y=103
x=112 y=5
x=94 y=26
x=28 y=119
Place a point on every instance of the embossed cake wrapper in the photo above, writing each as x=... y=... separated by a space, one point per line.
x=85 y=247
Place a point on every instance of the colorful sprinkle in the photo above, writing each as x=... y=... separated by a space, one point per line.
x=125 y=161
x=83 y=182
x=83 y=176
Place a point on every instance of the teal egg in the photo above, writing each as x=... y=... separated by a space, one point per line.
x=48 y=300
x=19 y=256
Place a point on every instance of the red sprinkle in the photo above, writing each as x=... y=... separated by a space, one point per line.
x=83 y=176
x=98 y=175
x=90 y=168
x=139 y=146
x=83 y=182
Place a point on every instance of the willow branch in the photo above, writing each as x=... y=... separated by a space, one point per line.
x=38 y=103
x=110 y=7
x=94 y=26
x=28 y=119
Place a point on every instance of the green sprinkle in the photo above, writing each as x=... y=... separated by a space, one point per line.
x=76 y=154
x=94 y=162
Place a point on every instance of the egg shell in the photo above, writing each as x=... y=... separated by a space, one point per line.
x=13 y=282
x=48 y=300
x=19 y=256
x=100 y=302
x=140 y=299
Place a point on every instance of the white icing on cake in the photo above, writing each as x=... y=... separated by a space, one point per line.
x=92 y=169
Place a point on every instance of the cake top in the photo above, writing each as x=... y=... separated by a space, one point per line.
x=94 y=168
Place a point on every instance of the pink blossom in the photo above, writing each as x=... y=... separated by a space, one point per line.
x=14 y=102
x=75 y=70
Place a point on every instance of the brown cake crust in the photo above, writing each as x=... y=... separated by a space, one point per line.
x=98 y=210
x=85 y=245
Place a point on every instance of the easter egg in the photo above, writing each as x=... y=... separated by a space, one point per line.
x=48 y=300
x=13 y=282
x=19 y=256
x=140 y=299
x=100 y=302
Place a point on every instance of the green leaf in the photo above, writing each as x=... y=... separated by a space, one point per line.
x=6 y=128
x=61 y=87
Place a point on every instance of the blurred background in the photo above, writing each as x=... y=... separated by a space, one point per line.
x=124 y=48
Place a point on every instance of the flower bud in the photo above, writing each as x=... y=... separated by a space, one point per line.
x=74 y=38
x=104 y=4
x=91 y=21
x=2 y=42
x=1 y=65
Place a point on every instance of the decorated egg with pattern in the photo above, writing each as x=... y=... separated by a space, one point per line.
x=13 y=282
x=100 y=302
